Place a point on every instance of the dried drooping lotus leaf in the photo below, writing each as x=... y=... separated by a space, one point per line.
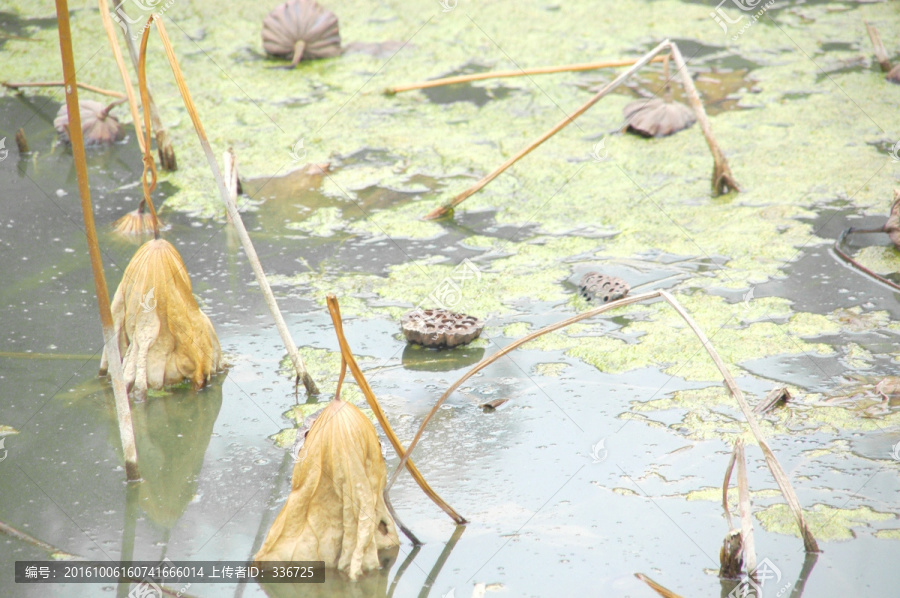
x=603 y=288
x=301 y=30
x=335 y=511
x=135 y=222
x=164 y=338
x=657 y=117
x=894 y=74
x=97 y=125
x=440 y=328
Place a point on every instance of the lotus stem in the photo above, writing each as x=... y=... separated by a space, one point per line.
x=335 y=311
x=881 y=54
x=110 y=334
x=839 y=250
x=85 y=86
x=163 y=141
x=230 y=206
x=744 y=506
x=777 y=472
x=542 y=70
x=722 y=179
x=608 y=88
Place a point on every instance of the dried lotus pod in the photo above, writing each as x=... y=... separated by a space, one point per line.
x=301 y=30
x=97 y=126
x=657 y=117
x=604 y=288
x=440 y=328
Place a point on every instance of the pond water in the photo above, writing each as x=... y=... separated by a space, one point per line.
x=609 y=456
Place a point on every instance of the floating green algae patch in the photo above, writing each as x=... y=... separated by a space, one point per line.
x=826 y=523
x=880 y=259
x=6 y=430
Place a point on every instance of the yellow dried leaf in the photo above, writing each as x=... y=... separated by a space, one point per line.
x=335 y=511
x=164 y=338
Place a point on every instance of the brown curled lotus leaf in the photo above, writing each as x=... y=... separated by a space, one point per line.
x=602 y=288
x=301 y=30
x=97 y=125
x=657 y=117
x=135 y=222
x=440 y=328
x=164 y=338
x=335 y=511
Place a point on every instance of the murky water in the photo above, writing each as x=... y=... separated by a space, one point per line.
x=586 y=476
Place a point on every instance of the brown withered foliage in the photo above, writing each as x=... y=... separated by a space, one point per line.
x=164 y=338
x=335 y=511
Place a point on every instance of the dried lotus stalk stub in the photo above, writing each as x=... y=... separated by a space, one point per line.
x=602 y=288
x=440 y=328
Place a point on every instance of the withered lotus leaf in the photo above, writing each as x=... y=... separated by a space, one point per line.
x=301 y=30
x=135 y=222
x=657 y=117
x=335 y=511
x=97 y=125
x=164 y=338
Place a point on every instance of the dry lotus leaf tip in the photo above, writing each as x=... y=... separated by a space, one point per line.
x=164 y=338
x=657 y=117
x=440 y=328
x=135 y=222
x=301 y=30
x=97 y=125
x=335 y=511
x=603 y=288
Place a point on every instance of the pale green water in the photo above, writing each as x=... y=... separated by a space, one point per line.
x=811 y=151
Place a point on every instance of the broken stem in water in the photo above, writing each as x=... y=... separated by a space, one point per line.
x=542 y=70
x=777 y=472
x=230 y=205
x=722 y=179
x=608 y=88
x=881 y=54
x=335 y=311
x=110 y=335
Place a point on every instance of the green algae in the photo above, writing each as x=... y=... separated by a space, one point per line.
x=6 y=430
x=553 y=370
x=879 y=258
x=825 y=522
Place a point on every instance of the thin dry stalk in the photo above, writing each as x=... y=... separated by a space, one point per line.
x=541 y=70
x=123 y=409
x=48 y=548
x=777 y=472
x=662 y=591
x=722 y=179
x=85 y=86
x=230 y=206
x=725 y=485
x=163 y=140
x=744 y=504
x=881 y=54
x=229 y=161
x=609 y=87
x=335 y=311
x=123 y=72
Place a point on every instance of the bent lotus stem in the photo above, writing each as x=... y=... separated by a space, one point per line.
x=542 y=70
x=839 y=250
x=110 y=336
x=777 y=472
x=95 y=89
x=335 y=311
x=230 y=206
x=881 y=54
x=163 y=141
x=722 y=179
x=608 y=88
